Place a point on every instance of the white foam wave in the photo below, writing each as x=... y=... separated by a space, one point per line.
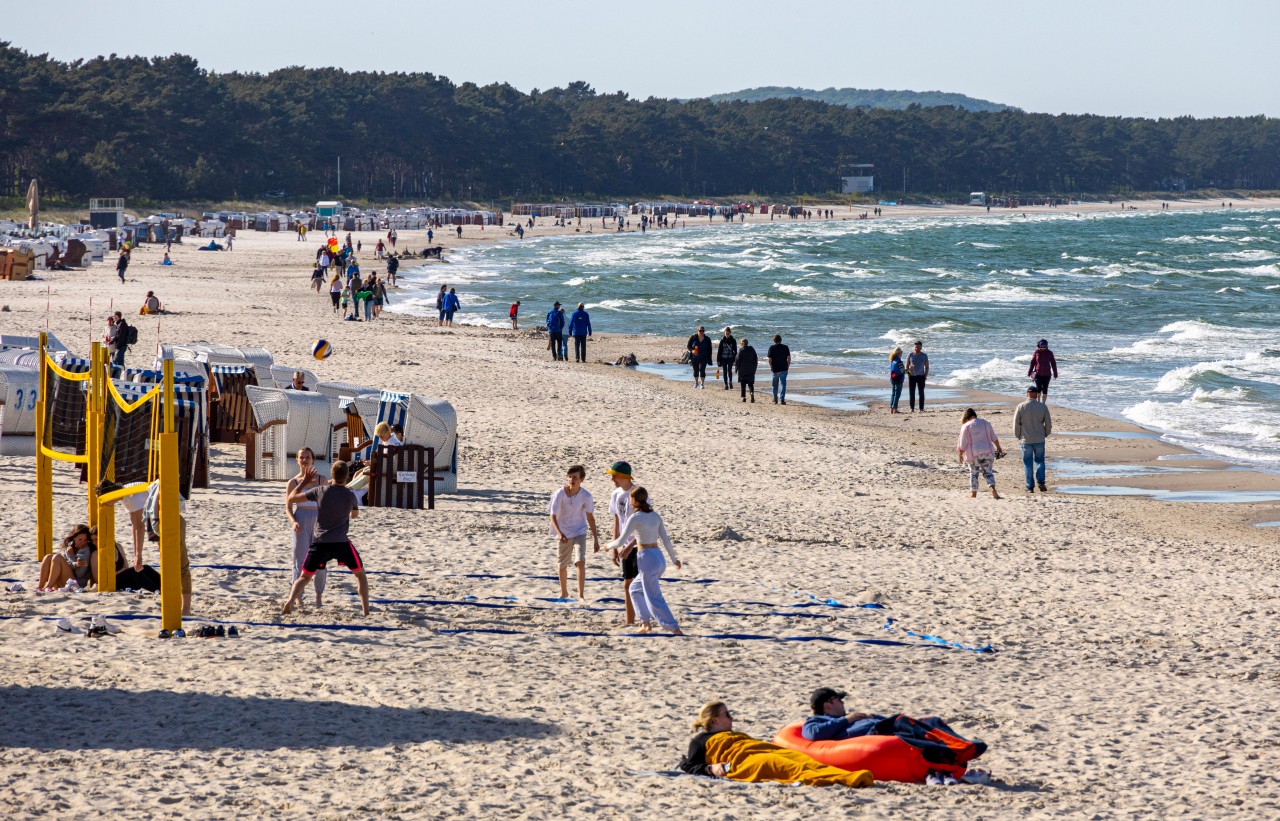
x=992 y=370
x=1250 y=255
x=576 y=281
x=795 y=289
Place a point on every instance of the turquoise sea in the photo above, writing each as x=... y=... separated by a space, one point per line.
x=1166 y=319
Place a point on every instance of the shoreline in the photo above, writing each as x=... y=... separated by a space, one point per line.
x=1132 y=638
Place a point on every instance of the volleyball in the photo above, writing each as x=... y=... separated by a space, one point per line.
x=321 y=349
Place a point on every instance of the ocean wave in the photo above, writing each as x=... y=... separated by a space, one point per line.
x=1250 y=255
x=995 y=369
x=795 y=289
x=576 y=281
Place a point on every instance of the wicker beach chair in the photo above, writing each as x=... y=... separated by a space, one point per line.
x=282 y=377
x=285 y=423
x=429 y=422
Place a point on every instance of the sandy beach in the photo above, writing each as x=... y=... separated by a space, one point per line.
x=1134 y=668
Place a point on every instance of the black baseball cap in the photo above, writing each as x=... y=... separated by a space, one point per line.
x=821 y=696
x=1033 y=389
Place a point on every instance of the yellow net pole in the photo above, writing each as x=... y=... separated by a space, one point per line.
x=93 y=435
x=44 y=466
x=99 y=398
x=170 y=523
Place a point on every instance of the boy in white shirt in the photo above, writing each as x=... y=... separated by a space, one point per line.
x=572 y=512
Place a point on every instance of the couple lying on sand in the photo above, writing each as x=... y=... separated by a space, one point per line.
x=719 y=752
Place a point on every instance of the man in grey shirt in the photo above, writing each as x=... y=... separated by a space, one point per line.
x=917 y=373
x=336 y=507
x=1031 y=426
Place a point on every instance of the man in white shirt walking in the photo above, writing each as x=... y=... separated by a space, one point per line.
x=572 y=513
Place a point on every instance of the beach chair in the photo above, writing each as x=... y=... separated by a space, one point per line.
x=282 y=377
x=230 y=414
x=348 y=429
x=8 y=341
x=431 y=423
x=285 y=423
x=19 y=392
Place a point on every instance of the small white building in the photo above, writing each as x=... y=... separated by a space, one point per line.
x=859 y=180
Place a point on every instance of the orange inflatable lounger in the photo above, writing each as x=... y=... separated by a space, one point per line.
x=888 y=757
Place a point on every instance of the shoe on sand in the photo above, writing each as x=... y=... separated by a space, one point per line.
x=933 y=779
x=949 y=780
x=101 y=621
x=64 y=626
x=164 y=634
x=976 y=775
x=179 y=633
x=233 y=632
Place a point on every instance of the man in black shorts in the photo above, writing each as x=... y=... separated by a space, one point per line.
x=621 y=508
x=337 y=507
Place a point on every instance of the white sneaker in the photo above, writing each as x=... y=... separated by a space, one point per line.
x=16 y=587
x=101 y=621
x=64 y=626
x=976 y=776
x=933 y=779
x=949 y=780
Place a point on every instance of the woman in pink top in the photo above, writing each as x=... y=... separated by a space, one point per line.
x=979 y=446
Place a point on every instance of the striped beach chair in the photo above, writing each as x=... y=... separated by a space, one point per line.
x=230 y=414
x=431 y=423
x=19 y=393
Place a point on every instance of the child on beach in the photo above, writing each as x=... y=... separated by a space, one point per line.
x=336 y=506
x=572 y=513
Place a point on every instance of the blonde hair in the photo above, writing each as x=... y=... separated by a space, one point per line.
x=897 y=352
x=709 y=711
x=381 y=428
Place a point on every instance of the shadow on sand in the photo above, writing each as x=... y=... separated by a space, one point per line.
x=65 y=718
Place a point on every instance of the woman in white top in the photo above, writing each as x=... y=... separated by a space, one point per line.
x=647 y=529
x=386 y=437
x=978 y=445
x=303 y=518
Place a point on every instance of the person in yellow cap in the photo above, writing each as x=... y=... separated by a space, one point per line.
x=622 y=509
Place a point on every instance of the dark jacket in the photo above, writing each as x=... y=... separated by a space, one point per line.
x=700 y=348
x=695 y=761
x=727 y=351
x=1043 y=363
x=747 y=363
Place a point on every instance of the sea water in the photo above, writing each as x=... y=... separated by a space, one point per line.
x=1167 y=319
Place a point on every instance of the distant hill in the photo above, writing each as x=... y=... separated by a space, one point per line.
x=862 y=98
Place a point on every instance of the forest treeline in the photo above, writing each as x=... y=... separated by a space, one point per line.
x=166 y=129
x=861 y=97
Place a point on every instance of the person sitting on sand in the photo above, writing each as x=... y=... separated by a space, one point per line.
x=72 y=560
x=336 y=507
x=151 y=305
x=166 y=260
x=938 y=743
x=717 y=751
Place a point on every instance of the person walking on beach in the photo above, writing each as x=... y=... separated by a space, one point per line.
x=917 y=373
x=699 y=347
x=336 y=506
x=1032 y=425
x=726 y=355
x=779 y=356
x=555 y=330
x=897 y=373
x=514 y=313
x=302 y=515
x=1043 y=368
x=979 y=446
x=580 y=329
x=122 y=263
x=621 y=508
x=572 y=514
x=746 y=363
x=646 y=528
x=393 y=266
x=451 y=306
x=440 y=299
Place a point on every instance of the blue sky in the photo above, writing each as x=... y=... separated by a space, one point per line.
x=1119 y=57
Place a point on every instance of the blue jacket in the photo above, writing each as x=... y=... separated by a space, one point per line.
x=580 y=323
x=832 y=728
x=555 y=321
x=451 y=302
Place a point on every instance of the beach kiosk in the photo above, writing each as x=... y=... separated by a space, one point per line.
x=328 y=212
x=106 y=212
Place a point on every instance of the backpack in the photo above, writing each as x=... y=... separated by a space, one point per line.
x=130 y=334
